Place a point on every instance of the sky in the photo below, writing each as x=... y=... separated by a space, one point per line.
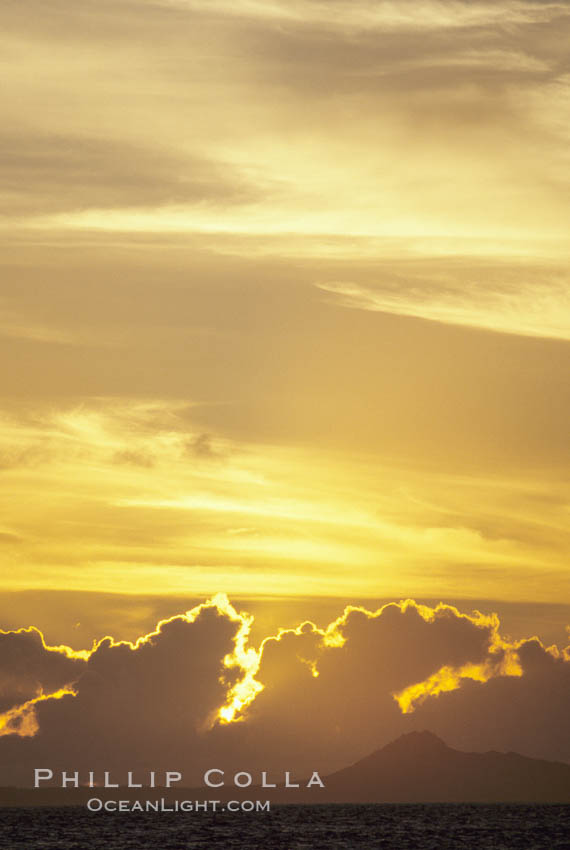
x=284 y=315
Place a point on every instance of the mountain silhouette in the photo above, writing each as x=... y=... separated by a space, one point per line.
x=416 y=768
x=419 y=767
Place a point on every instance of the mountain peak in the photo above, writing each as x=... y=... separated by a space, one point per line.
x=420 y=767
x=424 y=741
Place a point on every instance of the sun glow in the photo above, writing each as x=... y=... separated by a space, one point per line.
x=22 y=719
x=245 y=659
x=241 y=667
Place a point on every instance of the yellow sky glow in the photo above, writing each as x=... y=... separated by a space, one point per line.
x=284 y=303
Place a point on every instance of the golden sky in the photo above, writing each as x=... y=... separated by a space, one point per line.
x=284 y=299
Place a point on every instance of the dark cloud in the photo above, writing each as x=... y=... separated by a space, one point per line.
x=28 y=668
x=46 y=174
x=348 y=709
x=528 y=715
x=148 y=705
x=324 y=703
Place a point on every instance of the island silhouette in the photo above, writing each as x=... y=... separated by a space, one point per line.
x=417 y=767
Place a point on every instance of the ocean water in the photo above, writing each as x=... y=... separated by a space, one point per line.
x=323 y=827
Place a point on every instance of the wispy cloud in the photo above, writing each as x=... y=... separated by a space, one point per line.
x=117 y=477
x=386 y=15
x=533 y=307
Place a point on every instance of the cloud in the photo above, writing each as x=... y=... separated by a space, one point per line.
x=496 y=300
x=370 y=676
x=43 y=173
x=29 y=668
x=14 y=457
x=180 y=105
x=429 y=57
x=134 y=458
x=527 y=714
x=194 y=693
x=149 y=702
x=347 y=676
x=202 y=446
x=270 y=391
x=385 y=16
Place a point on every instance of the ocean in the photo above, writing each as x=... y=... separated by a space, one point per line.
x=322 y=827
